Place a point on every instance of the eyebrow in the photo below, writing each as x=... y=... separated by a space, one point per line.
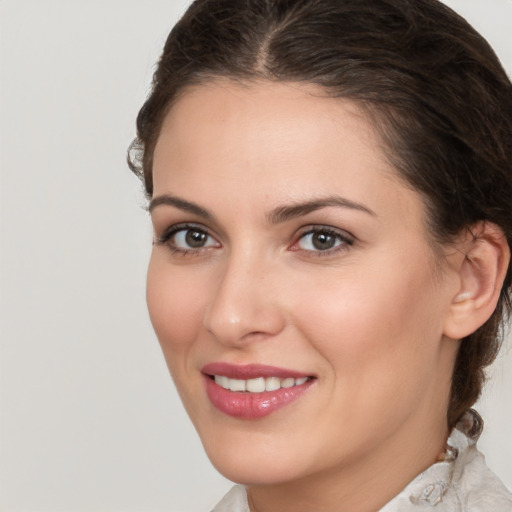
x=181 y=204
x=276 y=216
x=284 y=213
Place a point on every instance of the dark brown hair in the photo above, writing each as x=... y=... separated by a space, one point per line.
x=434 y=87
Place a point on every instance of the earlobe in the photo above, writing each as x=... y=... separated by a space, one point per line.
x=481 y=273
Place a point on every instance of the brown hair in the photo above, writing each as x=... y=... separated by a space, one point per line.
x=434 y=87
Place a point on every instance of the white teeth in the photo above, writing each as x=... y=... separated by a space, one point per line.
x=259 y=384
x=255 y=385
x=272 y=384
x=287 y=383
x=222 y=381
x=237 y=385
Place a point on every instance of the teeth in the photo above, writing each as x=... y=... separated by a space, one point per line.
x=237 y=385
x=258 y=385
x=287 y=383
x=222 y=381
x=272 y=384
x=255 y=385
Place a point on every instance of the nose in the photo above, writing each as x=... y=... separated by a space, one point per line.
x=245 y=305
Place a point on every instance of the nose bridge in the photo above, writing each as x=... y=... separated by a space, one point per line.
x=244 y=305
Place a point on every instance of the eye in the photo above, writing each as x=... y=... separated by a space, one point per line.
x=192 y=239
x=322 y=239
x=187 y=238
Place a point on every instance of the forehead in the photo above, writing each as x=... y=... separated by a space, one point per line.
x=287 y=119
x=271 y=142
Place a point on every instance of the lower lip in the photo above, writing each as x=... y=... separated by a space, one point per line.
x=252 y=405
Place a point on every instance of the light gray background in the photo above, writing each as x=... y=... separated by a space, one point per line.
x=90 y=420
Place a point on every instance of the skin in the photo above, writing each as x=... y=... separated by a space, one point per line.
x=367 y=318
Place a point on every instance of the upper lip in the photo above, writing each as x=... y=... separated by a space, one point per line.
x=250 y=371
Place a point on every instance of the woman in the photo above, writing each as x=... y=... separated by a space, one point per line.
x=330 y=188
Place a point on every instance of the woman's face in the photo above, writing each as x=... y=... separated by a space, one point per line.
x=291 y=262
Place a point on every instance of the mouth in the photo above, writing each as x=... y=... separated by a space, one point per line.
x=253 y=391
x=259 y=384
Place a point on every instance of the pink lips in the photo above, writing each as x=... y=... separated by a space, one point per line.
x=251 y=405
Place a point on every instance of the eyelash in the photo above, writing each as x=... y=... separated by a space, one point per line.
x=343 y=240
x=166 y=239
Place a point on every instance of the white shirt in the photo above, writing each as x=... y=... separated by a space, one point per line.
x=460 y=483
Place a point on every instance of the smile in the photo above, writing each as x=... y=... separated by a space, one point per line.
x=253 y=391
x=259 y=384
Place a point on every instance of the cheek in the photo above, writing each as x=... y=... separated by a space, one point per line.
x=374 y=332
x=373 y=318
x=175 y=305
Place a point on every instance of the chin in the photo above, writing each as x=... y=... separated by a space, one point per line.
x=252 y=473
x=253 y=461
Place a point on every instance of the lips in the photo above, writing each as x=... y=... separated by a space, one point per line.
x=250 y=371
x=253 y=391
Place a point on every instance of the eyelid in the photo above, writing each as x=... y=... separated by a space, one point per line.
x=168 y=233
x=346 y=238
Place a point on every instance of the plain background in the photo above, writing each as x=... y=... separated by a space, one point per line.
x=90 y=420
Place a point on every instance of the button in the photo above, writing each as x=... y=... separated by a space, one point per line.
x=431 y=495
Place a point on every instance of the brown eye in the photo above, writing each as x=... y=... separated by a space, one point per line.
x=188 y=239
x=195 y=238
x=323 y=241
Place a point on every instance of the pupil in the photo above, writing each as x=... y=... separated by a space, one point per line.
x=195 y=238
x=323 y=241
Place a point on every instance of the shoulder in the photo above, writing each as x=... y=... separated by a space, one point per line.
x=234 y=501
x=475 y=485
x=477 y=488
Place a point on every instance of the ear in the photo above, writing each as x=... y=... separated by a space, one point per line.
x=481 y=273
